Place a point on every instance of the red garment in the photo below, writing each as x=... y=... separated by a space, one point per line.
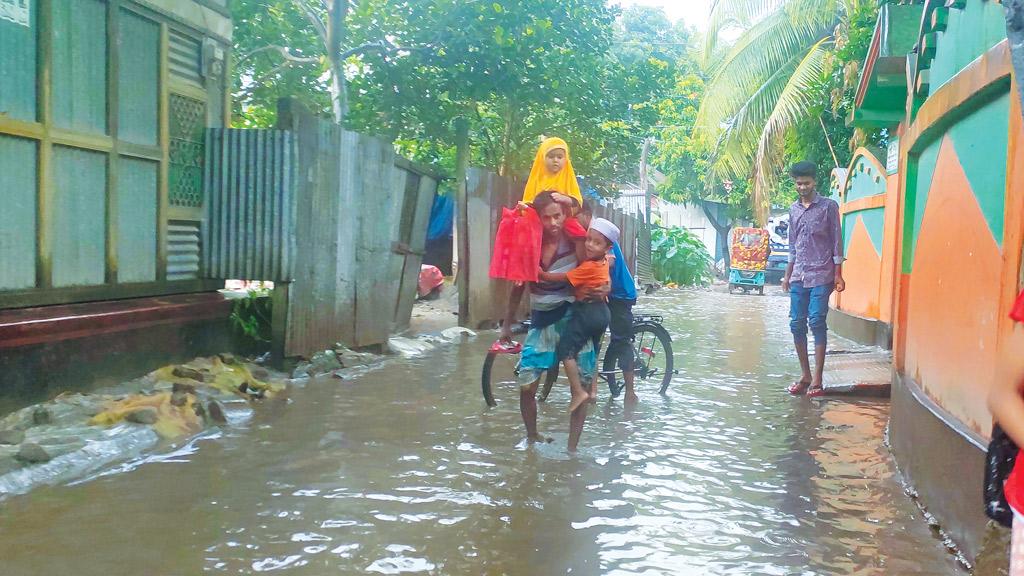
x=1018 y=309
x=574 y=229
x=430 y=278
x=1013 y=488
x=517 y=246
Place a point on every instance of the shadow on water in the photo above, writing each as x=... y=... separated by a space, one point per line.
x=406 y=471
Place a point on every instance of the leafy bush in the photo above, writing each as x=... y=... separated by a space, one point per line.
x=251 y=317
x=679 y=257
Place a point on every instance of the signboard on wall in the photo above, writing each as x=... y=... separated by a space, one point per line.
x=17 y=11
x=892 y=158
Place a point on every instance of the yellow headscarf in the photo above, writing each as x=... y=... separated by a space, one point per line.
x=541 y=180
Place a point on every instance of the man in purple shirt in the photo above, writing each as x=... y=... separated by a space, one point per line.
x=815 y=269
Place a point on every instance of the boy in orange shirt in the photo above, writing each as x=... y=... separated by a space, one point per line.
x=589 y=319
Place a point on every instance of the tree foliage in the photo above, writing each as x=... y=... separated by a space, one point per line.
x=680 y=257
x=767 y=83
x=516 y=70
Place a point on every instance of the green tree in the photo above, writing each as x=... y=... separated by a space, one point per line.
x=304 y=49
x=514 y=70
x=766 y=82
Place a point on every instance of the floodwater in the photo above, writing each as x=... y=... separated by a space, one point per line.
x=406 y=471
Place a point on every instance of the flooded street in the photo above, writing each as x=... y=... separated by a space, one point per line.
x=406 y=471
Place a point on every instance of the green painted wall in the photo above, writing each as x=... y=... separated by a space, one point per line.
x=18 y=213
x=981 y=140
x=78 y=226
x=971 y=32
x=874 y=223
x=136 y=220
x=138 y=79
x=18 y=49
x=80 y=65
x=864 y=181
x=920 y=182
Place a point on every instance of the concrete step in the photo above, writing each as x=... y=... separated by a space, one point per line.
x=858 y=373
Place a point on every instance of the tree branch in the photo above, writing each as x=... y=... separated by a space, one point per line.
x=313 y=18
x=285 y=52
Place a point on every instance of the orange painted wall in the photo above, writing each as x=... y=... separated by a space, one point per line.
x=1010 y=362
x=953 y=336
x=862 y=272
x=869 y=275
x=890 y=250
x=953 y=304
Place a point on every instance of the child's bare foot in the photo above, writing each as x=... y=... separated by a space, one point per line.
x=539 y=439
x=578 y=400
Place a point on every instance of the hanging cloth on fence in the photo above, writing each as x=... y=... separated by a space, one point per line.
x=517 y=246
x=541 y=180
x=442 y=215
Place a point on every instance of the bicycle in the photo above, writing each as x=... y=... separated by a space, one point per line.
x=652 y=348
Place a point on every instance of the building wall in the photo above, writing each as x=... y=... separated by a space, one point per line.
x=669 y=214
x=953 y=259
x=101 y=146
x=863 y=208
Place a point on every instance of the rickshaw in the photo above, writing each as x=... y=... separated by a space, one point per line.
x=749 y=254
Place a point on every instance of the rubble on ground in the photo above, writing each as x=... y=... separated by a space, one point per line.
x=74 y=434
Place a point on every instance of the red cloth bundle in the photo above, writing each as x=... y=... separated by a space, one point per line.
x=1018 y=309
x=574 y=229
x=517 y=246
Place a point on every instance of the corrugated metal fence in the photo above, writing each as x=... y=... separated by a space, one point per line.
x=334 y=218
x=360 y=230
x=250 y=207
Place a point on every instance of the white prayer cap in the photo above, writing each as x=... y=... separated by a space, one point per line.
x=606 y=228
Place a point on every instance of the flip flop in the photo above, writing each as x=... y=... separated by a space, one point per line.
x=798 y=388
x=815 y=392
x=500 y=347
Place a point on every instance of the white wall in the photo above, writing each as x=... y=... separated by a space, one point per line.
x=689 y=216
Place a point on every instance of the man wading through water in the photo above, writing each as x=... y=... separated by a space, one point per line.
x=550 y=304
x=815 y=269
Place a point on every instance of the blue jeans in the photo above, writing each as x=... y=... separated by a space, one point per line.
x=809 y=307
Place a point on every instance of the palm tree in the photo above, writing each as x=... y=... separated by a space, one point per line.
x=762 y=84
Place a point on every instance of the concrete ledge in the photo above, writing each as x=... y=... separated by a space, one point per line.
x=858 y=374
x=943 y=461
x=867 y=331
x=48 y=350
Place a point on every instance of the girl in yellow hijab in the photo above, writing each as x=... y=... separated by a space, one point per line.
x=552 y=172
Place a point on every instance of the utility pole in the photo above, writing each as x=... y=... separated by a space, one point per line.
x=644 y=186
x=461 y=216
x=645 y=274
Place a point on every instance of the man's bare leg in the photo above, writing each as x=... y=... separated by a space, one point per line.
x=805 y=363
x=579 y=394
x=627 y=376
x=593 y=389
x=528 y=408
x=576 y=420
x=819 y=366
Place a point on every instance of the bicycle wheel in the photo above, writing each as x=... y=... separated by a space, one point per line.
x=652 y=346
x=500 y=373
x=550 y=377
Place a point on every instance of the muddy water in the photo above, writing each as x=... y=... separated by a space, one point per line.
x=405 y=471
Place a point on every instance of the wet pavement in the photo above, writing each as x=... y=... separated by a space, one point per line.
x=406 y=471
